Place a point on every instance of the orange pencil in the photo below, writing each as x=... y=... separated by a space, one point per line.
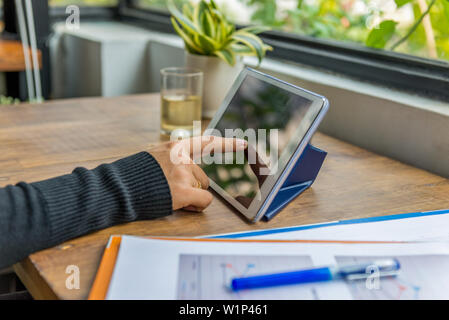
x=104 y=273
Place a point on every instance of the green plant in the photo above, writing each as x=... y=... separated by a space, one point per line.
x=379 y=37
x=265 y=12
x=4 y=100
x=337 y=20
x=206 y=31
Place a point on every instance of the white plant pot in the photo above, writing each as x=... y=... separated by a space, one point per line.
x=218 y=79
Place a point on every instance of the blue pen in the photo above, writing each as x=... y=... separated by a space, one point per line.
x=381 y=268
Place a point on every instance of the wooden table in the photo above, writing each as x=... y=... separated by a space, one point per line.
x=42 y=141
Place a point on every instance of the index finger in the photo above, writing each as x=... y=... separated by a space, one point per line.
x=196 y=145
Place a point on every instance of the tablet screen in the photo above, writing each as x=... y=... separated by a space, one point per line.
x=273 y=120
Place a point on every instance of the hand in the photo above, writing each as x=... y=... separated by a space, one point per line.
x=187 y=181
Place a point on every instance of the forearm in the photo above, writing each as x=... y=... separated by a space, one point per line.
x=42 y=214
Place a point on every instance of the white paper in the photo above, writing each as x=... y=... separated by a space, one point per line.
x=423 y=228
x=150 y=269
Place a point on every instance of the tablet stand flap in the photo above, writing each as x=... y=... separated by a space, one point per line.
x=300 y=178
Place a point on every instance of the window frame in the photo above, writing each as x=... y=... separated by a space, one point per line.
x=57 y=13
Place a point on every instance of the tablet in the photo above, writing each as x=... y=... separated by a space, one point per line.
x=278 y=120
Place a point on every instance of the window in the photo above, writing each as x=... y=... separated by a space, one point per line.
x=90 y=10
x=395 y=43
x=415 y=27
x=101 y=3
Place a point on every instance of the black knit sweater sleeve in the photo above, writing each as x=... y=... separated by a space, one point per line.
x=39 y=215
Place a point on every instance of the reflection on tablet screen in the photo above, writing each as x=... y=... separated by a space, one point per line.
x=260 y=105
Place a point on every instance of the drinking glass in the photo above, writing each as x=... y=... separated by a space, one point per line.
x=181 y=100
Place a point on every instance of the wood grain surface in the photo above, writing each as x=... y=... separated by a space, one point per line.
x=43 y=141
x=12 y=57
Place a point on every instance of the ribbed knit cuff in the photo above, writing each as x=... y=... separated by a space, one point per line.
x=133 y=188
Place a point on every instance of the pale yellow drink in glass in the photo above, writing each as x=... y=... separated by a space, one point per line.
x=178 y=112
x=181 y=97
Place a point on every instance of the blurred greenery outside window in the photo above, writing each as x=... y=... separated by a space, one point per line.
x=415 y=27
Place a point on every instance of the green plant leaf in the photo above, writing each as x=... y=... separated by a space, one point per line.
x=252 y=42
x=254 y=29
x=378 y=37
x=230 y=29
x=400 y=3
x=242 y=50
x=267 y=48
x=190 y=44
x=187 y=10
x=183 y=21
x=209 y=45
x=207 y=23
x=222 y=29
x=219 y=36
x=213 y=4
x=227 y=55
x=197 y=13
